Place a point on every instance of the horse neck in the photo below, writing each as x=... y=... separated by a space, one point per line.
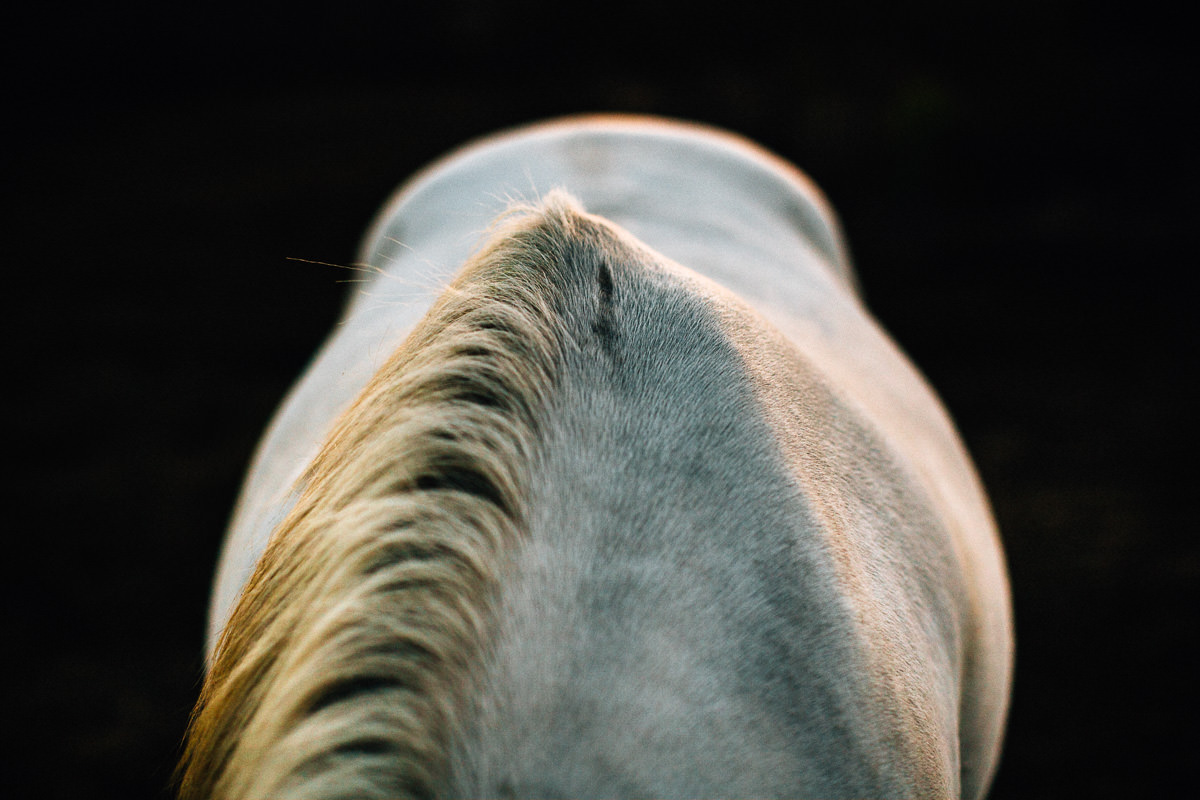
x=710 y=200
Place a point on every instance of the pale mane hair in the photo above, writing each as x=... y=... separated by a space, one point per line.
x=341 y=670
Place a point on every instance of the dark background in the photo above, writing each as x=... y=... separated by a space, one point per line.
x=1016 y=185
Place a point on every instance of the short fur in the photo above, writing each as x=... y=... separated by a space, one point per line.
x=599 y=529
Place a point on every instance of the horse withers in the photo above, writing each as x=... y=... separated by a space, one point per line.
x=615 y=491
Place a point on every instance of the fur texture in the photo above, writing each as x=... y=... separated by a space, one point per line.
x=336 y=675
x=597 y=528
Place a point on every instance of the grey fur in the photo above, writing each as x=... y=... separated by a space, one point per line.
x=750 y=556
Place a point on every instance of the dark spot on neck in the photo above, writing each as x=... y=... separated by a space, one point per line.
x=602 y=325
x=606 y=285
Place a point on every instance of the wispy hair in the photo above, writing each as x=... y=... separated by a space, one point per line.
x=340 y=671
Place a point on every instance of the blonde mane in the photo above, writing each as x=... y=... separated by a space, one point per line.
x=341 y=669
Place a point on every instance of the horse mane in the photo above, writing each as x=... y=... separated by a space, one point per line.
x=340 y=670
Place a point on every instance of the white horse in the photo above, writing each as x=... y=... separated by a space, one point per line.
x=642 y=502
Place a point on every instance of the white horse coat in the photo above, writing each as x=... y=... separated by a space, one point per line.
x=856 y=642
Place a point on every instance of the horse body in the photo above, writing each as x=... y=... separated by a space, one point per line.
x=751 y=556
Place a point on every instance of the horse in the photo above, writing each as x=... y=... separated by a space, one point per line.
x=607 y=484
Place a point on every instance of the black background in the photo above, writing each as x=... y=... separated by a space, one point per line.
x=1016 y=186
